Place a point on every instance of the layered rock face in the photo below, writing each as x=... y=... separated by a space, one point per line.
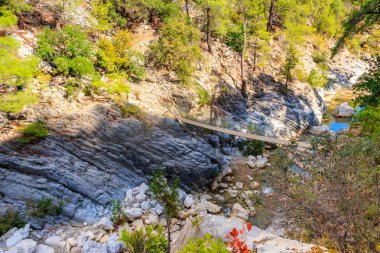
x=92 y=156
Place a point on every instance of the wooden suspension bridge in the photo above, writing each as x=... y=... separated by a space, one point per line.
x=245 y=135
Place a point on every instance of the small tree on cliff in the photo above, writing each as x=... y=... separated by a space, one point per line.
x=167 y=195
x=289 y=65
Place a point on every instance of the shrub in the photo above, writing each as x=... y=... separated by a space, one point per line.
x=80 y=66
x=34 y=132
x=132 y=110
x=206 y=244
x=234 y=38
x=9 y=220
x=118 y=214
x=177 y=48
x=69 y=50
x=252 y=147
x=15 y=102
x=235 y=238
x=152 y=240
x=13 y=70
x=368 y=119
x=114 y=84
x=44 y=207
x=71 y=88
x=7 y=18
x=316 y=79
x=116 y=54
x=319 y=57
x=203 y=96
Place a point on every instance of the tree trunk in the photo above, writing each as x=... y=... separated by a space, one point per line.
x=243 y=82
x=255 y=54
x=208 y=38
x=271 y=14
x=187 y=7
x=168 y=227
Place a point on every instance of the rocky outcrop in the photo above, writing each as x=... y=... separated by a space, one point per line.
x=92 y=156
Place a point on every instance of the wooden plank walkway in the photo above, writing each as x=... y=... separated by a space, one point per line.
x=244 y=135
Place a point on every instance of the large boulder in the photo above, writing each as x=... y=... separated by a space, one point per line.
x=205 y=206
x=240 y=212
x=26 y=246
x=344 y=110
x=318 y=130
x=18 y=236
x=133 y=213
x=105 y=223
x=42 y=248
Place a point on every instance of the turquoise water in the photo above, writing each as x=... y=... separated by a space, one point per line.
x=338 y=124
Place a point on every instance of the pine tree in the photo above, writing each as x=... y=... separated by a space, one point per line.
x=289 y=65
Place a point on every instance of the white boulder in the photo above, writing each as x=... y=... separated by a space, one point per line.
x=114 y=245
x=19 y=235
x=133 y=213
x=53 y=240
x=188 y=202
x=26 y=246
x=42 y=248
x=318 y=130
x=105 y=223
x=344 y=110
x=240 y=212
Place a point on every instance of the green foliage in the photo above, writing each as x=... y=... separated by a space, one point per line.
x=34 y=132
x=13 y=70
x=81 y=66
x=252 y=147
x=177 y=48
x=132 y=110
x=69 y=50
x=116 y=54
x=368 y=119
x=44 y=207
x=316 y=79
x=118 y=214
x=9 y=220
x=106 y=13
x=166 y=194
x=7 y=18
x=15 y=102
x=113 y=84
x=71 y=88
x=291 y=61
x=368 y=87
x=234 y=38
x=205 y=244
x=203 y=96
x=152 y=240
x=319 y=57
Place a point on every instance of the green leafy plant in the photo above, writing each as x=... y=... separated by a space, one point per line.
x=150 y=240
x=319 y=57
x=7 y=18
x=167 y=195
x=44 y=207
x=316 y=79
x=118 y=214
x=291 y=61
x=9 y=220
x=15 y=102
x=203 y=96
x=206 y=244
x=113 y=84
x=132 y=110
x=34 y=131
x=177 y=49
x=252 y=147
x=116 y=55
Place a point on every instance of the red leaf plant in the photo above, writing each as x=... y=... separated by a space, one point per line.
x=235 y=239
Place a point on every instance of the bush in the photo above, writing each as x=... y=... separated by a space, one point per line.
x=252 y=147
x=15 y=102
x=206 y=244
x=9 y=220
x=114 y=84
x=7 y=18
x=132 y=110
x=316 y=79
x=34 y=132
x=71 y=88
x=177 y=49
x=118 y=214
x=234 y=38
x=81 y=66
x=69 y=50
x=203 y=96
x=13 y=70
x=319 y=57
x=117 y=55
x=44 y=207
x=152 y=240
